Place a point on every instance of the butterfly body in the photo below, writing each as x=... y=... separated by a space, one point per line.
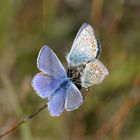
x=74 y=75
x=63 y=83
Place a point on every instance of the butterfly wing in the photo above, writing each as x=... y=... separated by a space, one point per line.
x=44 y=85
x=56 y=102
x=94 y=73
x=85 y=47
x=84 y=26
x=48 y=63
x=73 y=97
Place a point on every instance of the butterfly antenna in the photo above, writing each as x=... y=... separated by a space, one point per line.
x=22 y=122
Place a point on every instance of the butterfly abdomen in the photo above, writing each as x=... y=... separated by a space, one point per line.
x=74 y=75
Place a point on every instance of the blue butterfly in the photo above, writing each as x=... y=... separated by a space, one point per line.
x=52 y=83
x=84 y=48
x=84 y=55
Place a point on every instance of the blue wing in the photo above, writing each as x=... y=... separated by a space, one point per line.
x=73 y=97
x=44 y=85
x=48 y=63
x=57 y=102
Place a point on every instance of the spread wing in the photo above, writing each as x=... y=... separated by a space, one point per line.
x=48 y=63
x=56 y=102
x=52 y=72
x=44 y=85
x=73 y=97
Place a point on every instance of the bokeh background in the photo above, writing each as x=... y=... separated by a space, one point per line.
x=111 y=110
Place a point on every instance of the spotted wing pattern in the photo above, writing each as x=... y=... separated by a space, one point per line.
x=85 y=47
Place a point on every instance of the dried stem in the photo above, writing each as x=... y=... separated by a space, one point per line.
x=22 y=122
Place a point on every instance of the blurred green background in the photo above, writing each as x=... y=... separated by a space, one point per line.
x=111 y=110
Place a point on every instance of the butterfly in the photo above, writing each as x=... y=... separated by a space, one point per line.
x=84 y=53
x=84 y=48
x=52 y=83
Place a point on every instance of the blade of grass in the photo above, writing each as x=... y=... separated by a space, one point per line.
x=25 y=130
